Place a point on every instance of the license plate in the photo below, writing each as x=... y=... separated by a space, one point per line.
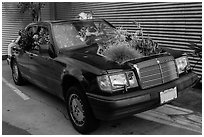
x=168 y=95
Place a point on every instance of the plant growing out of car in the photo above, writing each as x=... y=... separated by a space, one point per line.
x=118 y=49
x=26 y=41
x=93 y=87
x=121 y=53
x=123 y=46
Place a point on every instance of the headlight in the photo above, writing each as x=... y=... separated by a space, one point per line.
x=104 y=83
x=182 y=64
x=131 y=79
x=117 y=81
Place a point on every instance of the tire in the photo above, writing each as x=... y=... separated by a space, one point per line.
x=79 y=111
x=16 y=75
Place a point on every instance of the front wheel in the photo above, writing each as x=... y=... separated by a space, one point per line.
x=79 y=111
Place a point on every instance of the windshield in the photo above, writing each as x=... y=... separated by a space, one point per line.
x=66 y=35
x=81 y=33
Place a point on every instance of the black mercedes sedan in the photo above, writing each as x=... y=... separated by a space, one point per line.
x=65 y=59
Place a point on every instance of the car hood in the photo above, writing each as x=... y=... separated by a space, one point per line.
x=88 y=55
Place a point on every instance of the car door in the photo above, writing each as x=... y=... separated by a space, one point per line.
x=51 y=69
x=23 y=63
x=43 y=68
x=23 y=55
x=36 y=62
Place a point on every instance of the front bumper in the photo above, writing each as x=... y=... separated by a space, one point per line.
x=114 y=107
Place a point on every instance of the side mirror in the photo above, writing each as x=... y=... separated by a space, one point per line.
x=16 y=48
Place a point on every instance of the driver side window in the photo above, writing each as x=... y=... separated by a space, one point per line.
x=41 y=41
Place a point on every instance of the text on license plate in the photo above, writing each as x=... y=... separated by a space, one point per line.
x=168 y=95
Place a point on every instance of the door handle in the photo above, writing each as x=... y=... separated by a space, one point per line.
x=47 y=58
x=31 y=56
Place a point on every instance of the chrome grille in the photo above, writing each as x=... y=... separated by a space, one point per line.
x=156 y=71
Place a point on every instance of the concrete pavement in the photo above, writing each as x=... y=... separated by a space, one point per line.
x=8 y=129
x=44 y=114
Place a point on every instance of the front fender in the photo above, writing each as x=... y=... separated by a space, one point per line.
x=74 y=72
x=72 y=77
x=74 y=66
x=82 y=72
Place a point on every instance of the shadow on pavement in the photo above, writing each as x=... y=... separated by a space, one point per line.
x=190 y=99
x=8 y=129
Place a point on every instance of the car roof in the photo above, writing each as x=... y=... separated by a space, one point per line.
x=51 y=22
x=59 y=21
x=47 y=22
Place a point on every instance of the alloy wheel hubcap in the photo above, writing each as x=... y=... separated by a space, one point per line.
x=76 y=110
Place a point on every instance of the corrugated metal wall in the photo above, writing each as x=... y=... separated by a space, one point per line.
x=13 y=21
x=172 y=25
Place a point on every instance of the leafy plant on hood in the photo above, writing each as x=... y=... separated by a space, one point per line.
x=121 y=53
x=123 y=46
x=119 y=45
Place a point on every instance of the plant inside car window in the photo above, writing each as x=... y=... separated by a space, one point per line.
x=44 y=37
x=29 y=40
x=26 y=41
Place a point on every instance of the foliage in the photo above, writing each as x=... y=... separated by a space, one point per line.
x=123 y=46
x=146 y=46
x=136 y=40
x=34 y=9
x=26 y=41
x=119 y=44
x=197 y=50
x=121 y=53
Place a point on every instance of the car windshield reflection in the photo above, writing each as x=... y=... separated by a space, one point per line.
x=81 y=33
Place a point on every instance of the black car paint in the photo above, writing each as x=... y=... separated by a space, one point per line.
x=126 y=104
x=82 y=64
x=78 y=62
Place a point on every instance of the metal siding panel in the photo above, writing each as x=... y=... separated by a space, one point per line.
x=172 y=25
x=12 y=21
x=45 y=12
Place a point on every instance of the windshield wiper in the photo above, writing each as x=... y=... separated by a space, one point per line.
x=109 y=23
